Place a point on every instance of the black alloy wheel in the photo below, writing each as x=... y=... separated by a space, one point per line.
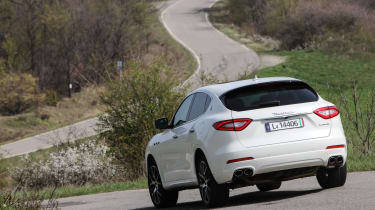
x=160 y=197
x=213 y=194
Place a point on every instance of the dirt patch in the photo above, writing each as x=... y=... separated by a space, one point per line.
x=270 y=60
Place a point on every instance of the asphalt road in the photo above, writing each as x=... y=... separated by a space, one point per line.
x=358 y=193
x=46 y=140
x=187 y=21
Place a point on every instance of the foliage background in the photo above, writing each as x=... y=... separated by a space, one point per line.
x=143 y=94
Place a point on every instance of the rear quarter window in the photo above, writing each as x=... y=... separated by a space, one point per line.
x=269 y=95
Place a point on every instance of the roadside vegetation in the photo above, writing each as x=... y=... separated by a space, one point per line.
x=68 y=169
x=82 y=105
x=114 y=160
x=329 y=44
x=47 y=45
x=133 y=103
x=79 y=43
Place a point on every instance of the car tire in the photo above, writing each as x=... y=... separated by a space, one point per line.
x=331 y=177
x=264 y=187
x=212 y=193
x=160 y=197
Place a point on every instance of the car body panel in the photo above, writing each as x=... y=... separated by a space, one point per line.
x=272 y=151
x=256 y=135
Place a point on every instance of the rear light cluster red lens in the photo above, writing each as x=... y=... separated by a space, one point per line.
x=232 y=125
x=336 y=146
x=327 y=112
x=239 y=160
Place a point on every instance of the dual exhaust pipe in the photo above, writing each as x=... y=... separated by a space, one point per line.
x=335 y=161
x=243 y=172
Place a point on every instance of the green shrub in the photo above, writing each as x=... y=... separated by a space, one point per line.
x=51 y=98
x=246 y=11
x=338 y=26
x=311 y=19
x=18 y=92
x=144 y=94
x=2 y=68
x=276 y=14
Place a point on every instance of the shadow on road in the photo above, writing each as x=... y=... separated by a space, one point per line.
x=268 y=198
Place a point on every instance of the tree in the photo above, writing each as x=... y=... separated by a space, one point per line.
x=133 y=103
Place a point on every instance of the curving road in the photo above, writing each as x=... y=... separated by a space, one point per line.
x=358 y=193
x=80 y=130
x=187 y=21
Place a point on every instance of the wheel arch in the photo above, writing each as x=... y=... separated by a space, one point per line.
x=198 y=152
x=149 y=158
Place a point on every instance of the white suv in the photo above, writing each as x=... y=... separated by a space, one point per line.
x=252 y=132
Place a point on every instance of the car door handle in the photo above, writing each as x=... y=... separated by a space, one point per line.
x=192 y=130
x=175 y=136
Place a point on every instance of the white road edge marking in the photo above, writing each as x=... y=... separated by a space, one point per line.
x=221 y=33
x=197 y=58
x=180 y=41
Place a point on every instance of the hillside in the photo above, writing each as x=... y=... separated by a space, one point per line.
x=66 y=42
x=329 y=44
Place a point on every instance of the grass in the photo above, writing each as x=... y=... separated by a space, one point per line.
x=331 y=75
x=180 y=60
x=86 y=104
x=6 y=181
x=40 y=155
x=70 y=191
x=82 y=105
x=219 y=18
x=321 y=71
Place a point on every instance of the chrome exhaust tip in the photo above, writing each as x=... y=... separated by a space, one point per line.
x=238 y=173
x=248 y=172
x=335 y=161
x=332 y=161
x=340 y=160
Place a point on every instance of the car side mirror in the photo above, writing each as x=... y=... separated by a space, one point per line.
x=162 y=123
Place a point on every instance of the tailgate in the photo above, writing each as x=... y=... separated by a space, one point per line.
x=289 y=123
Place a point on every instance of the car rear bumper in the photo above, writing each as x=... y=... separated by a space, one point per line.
x=271 y=158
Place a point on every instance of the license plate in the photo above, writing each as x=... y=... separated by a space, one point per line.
x=283 y=125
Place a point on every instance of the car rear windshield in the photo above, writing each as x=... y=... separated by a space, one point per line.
x=268 y=95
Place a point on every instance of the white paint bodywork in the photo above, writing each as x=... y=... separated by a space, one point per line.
x=275 y=151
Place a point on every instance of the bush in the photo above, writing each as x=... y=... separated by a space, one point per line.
x=311 y=19
x=246 y=11
x=87 y=163
x=370 y=4
x=64 y=40
x=51 y=98
x=18 y=92
x=330 y=25
x=133 y=103
x=20 y=198
x=359 y=112
x=275 y=15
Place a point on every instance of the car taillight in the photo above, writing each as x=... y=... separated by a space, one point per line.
x=327 y=112
x=336 y=146
x=232 y=125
